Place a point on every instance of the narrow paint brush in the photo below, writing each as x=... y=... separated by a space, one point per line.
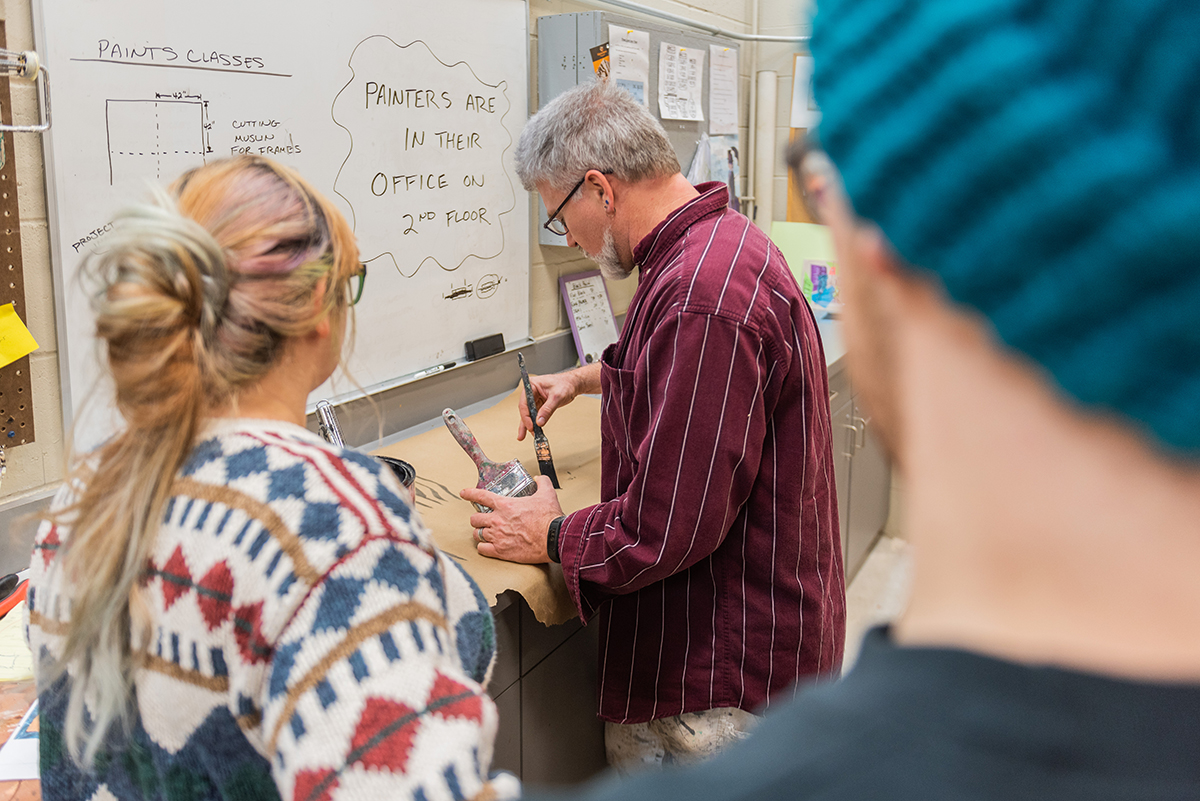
x=542 y=445
x=507 y=478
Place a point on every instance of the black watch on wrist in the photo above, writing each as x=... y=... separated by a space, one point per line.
x=552 y=538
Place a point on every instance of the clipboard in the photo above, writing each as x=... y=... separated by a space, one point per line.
x=590 y=309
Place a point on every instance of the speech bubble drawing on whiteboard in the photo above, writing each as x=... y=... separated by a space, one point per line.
x=424 y=176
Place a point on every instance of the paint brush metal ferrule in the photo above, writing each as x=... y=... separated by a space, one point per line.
x=328 y=424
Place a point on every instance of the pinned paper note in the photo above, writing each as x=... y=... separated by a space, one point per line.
x=680 y=78
x=629 y=61
x=15 y=339
x=723 y=92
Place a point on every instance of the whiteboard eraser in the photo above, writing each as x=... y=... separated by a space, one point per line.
x=485 y=346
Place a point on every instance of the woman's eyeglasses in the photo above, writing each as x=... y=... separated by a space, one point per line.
x=357 y=281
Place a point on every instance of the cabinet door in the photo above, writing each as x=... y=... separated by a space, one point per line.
x=562 y=740
x=844 y=436
x=507 y=752
x=870 y=491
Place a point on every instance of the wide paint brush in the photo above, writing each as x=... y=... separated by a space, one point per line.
x=541 y=444
x=508 y=478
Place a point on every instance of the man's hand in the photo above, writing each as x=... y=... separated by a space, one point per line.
x=516 y=528
x=552 y=391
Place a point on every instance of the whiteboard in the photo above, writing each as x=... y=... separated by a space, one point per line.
x=403 y=113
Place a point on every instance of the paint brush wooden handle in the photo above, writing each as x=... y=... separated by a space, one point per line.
x=488 y=470
x=541 y=444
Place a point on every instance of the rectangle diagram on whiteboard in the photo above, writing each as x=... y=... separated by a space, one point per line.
x=153 y=140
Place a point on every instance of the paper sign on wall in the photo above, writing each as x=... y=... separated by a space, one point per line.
x=629 y=61
x=680 y=82
x=723 y=90
x=805 y=113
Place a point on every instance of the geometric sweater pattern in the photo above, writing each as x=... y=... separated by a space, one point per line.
x=309 y=641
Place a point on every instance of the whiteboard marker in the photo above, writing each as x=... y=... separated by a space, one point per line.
x=433 y=370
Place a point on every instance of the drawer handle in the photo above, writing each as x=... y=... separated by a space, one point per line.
x=860 y=426
x=850 y=442
x=832 y=395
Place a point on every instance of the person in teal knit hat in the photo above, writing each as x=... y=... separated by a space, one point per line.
x=1013 y=187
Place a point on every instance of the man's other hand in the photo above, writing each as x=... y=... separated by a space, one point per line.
x=553 y=391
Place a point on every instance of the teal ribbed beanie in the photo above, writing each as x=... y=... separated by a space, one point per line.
x=1043 y=158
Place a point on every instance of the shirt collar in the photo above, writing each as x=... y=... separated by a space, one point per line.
x=713 y=199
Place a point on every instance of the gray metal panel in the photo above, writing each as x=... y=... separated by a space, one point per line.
x=558 y=71
x=592 y=30
x=557 y=65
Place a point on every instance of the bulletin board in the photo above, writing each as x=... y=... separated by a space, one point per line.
x=403 y=113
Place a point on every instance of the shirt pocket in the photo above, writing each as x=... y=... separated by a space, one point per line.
x=618 y=447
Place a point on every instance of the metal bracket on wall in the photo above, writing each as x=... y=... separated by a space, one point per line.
x=16 y=395
x=26 y=64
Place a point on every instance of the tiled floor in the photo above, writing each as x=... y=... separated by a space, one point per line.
x=878 y=591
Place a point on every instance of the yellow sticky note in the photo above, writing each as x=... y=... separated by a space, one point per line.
x=15 y=339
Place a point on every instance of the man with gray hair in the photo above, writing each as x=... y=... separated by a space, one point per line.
x=713 y=558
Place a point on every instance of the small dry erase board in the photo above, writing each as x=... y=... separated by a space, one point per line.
x=591 y=313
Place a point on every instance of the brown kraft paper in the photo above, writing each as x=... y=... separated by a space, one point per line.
x=443 y=469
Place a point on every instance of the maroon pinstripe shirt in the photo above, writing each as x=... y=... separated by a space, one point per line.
x=716 y=542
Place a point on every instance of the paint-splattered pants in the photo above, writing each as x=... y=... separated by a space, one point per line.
x=680 y=739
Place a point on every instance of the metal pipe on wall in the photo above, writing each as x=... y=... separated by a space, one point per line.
x=748 y=198
x=704 y=26
x=764 y=149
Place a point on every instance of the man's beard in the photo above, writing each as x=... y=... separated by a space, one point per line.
x=608 y=260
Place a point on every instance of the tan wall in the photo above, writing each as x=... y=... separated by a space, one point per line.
x=34 y=466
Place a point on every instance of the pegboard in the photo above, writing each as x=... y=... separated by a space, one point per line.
x=16 y=394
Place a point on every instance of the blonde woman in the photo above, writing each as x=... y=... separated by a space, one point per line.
x=222 y=604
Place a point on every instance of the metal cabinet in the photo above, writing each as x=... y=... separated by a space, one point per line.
x=544 y=686
x=861 y=472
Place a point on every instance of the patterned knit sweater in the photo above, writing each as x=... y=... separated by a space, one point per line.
x=309 y=640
